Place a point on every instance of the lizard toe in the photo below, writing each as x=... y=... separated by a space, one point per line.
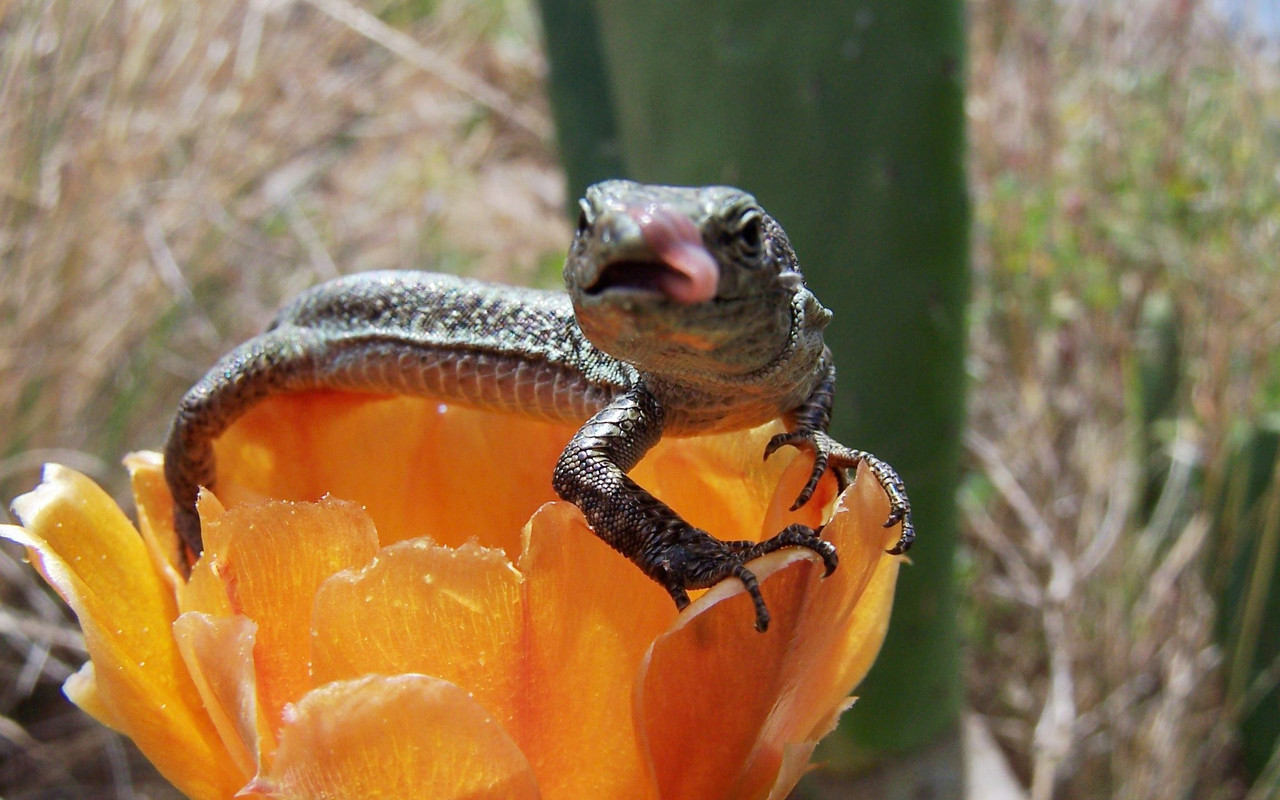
x=752 y=586
x=777 y=442
x=810 y=486
x=905 y=539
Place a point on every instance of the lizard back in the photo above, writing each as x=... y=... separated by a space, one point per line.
x=479 y=344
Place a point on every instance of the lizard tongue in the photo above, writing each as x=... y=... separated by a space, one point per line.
x=693 y=273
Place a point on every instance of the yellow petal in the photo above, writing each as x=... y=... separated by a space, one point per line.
x=713 y=678
x=768 y=697
x=419 y=607
x=155 y=514
x=795 y=763
x=831 y=659
x=785 y=488
x=721 y=483
x=491 y=472
x=442 y=471
x=219 y=653
x=205 y=590
x=82 y=689
x=591 y=615
x=276 y=555
x=88 y=551
x=404 y=736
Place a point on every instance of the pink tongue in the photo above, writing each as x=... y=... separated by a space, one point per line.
x=678 y=243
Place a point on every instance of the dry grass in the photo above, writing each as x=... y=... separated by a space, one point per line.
x=170 y=171
x=173 y=169
x=1125 y=163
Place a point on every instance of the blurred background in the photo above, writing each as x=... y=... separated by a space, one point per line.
x=1108 y=622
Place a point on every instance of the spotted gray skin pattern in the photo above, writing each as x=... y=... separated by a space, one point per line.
x=614 y=350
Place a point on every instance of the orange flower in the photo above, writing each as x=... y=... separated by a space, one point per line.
x=445 y=630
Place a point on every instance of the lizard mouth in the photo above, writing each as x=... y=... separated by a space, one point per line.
x=681 y=270
x=644 y=277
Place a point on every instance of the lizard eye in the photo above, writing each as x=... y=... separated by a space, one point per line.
x=584 y=217
x=745 y=234
x=751 y=234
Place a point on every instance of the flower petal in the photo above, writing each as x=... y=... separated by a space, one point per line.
x=219 y=653
x=494 y=472
x=795 y=763
x=844 y=623
x=155 y=513
x=204 y=590
x=718 y=483
x=401 y=736
x=591 y=615
x=762 y=693
x=710 y=683
x=420 y=607
x=786 y=488
x=88 y=551
x=442 y=471
x=82 y=689
x=275 y=556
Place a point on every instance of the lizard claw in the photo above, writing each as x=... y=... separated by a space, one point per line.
x=901 y=513
x=823 y=447
x=830 y=454
x=795 y=535
x=698 y=560
x=899 y=505
x=752 y=586
x=791 y=536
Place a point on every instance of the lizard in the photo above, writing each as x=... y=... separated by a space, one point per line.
x=685 y=313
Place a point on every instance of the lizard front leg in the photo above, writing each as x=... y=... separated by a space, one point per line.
x=591 y=474
x=807 y=428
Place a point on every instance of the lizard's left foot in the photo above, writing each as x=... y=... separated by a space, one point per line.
x=700 y=560
x=795 y=535
x=830 y=454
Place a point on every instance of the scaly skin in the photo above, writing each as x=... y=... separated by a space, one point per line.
x=686 y=313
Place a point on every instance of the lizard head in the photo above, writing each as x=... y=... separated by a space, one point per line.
x=688 y=280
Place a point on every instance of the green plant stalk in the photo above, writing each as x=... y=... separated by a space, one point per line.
x=580 y=96
x=1267 y=786
x=1260 y=585
x=847 y=122
x=1247 y=531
